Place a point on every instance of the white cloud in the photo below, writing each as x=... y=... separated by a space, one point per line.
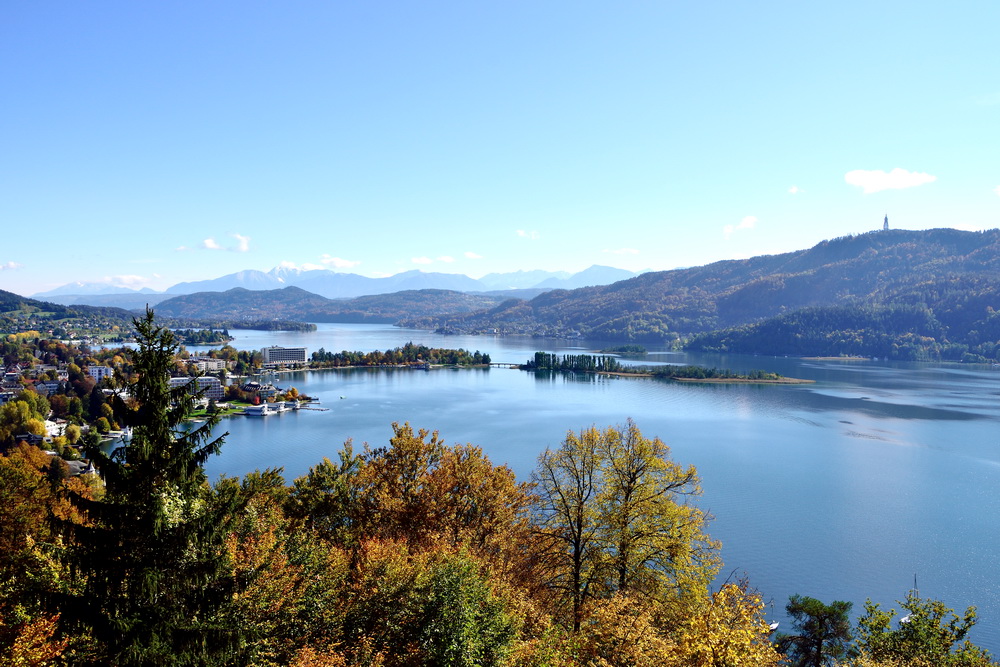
x=876 y=180
x=338 y=262
x=472 y=255
x=997 y=190
x=422 y=260
x=10 y=266
x=125 y=281
x=749 y=222
x=308 y=266
x=622 y=251
x=446 y=259
x=242 y=244
x=533 y=235
x=794 y=190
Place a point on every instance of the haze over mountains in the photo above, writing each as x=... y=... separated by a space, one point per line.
x=334 y=285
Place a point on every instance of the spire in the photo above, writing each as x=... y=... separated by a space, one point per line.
x=885 y=225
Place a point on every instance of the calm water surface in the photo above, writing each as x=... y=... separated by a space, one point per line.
x=843 y=489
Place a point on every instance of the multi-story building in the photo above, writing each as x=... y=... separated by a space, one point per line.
x=283 y=356
x=100 y=372
x=206 y=364
x=213 y=388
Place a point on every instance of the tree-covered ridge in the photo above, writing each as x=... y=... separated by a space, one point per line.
x=902 y=332
x=405 y=355
x=294 y=303
x=953 y=274
x=18 y=314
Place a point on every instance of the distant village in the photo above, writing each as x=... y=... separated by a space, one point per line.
x=55 y=394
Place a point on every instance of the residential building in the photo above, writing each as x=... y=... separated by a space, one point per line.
x=211 y=385
x=100 y=372
x=206 y=364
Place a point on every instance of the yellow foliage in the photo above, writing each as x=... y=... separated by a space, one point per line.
x=33 y=645
x=308 y=657
x=730 y=630
x=622 y=632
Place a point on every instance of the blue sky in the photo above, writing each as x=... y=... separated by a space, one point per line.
x=146 y=144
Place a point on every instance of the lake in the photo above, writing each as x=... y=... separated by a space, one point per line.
x=843 y=489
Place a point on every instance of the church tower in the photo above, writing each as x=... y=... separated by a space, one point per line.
x=885 y=225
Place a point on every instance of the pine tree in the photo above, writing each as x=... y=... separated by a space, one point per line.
x=149 y=563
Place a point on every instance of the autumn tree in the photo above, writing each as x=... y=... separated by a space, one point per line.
x=728 y=631
x=150 y=562
x=653 y=536
x=288 y=586
x=615 y=510
x=568 y=483
x=420 y=490
x=29 y=572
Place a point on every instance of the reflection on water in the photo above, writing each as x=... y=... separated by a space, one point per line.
x=841 y=489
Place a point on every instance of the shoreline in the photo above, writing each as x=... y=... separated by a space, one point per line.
x=745 y=380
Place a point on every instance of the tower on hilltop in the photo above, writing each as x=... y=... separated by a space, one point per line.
x=885 y=225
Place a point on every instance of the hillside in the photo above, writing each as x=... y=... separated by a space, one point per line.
x=18 y=313
x=953 y=275
x=294 y=303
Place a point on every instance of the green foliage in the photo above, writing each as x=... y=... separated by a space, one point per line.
x=588 y=363
x=581 y=363
x=464 y=623
x=823 y=631
x=407 y=354
x=201 y=336
x=929 y=633
x=148 y=562
x=327 y=496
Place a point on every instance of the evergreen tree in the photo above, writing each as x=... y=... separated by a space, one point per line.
x=149 y=562
x=823 y=632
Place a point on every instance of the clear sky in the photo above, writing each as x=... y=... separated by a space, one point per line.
x=148 y=143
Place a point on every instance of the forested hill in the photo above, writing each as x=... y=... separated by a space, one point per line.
x=949 y=276
x=18 y=313
x=294 y=303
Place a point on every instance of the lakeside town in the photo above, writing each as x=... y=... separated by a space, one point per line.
x=56 y=393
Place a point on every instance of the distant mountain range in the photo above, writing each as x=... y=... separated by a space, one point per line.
x=333 y=285
x=899 y=294
x=294 y=303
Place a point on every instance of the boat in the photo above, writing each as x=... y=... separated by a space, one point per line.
x=261 y=410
